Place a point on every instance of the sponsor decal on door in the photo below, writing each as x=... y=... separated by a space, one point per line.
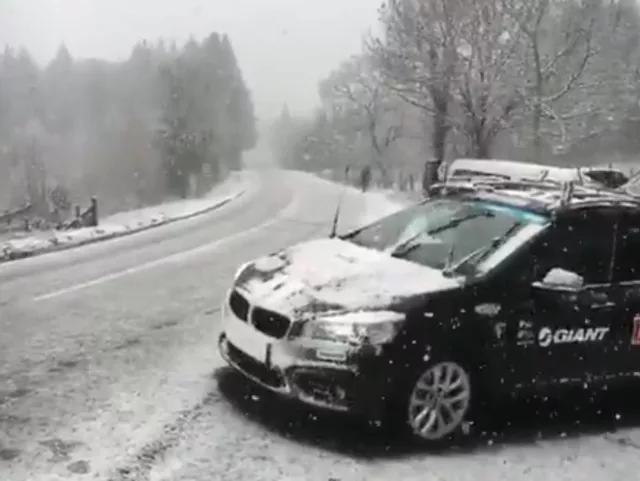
x=526 y=333
x=548 y=336
x=635 y=335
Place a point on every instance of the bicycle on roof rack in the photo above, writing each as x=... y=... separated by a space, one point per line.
x=552 y=192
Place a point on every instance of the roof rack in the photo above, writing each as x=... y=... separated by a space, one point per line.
x=581 y=196
x=498 y=183
x=553 y=194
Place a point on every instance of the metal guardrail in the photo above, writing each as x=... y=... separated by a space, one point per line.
x=7 y=217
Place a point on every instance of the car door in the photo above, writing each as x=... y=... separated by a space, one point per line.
x=626 y=277
x=559 y=331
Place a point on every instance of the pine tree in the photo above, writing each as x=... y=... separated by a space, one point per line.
x=241 y=134
x=176 y=142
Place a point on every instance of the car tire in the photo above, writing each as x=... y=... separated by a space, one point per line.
x=437 y=402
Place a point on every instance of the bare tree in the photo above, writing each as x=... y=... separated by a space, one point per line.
x=455 y=61
x=551 y=72
x=486 y=82
x=611 y=84
x=357 y=88
x=556 y=50
x=417 y=56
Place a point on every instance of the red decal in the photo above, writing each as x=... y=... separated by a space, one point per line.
x=635 y=336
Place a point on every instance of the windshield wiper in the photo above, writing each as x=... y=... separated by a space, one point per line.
x=410 y=244
x=480 y=253
x=407 y=246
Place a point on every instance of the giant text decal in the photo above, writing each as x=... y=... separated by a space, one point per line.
x=548 y=336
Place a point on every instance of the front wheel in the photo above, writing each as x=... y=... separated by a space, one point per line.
x=438 y=402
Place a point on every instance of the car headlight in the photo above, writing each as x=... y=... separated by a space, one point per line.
x=366 y=327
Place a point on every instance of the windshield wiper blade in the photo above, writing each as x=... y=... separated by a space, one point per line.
x=481 y=252
x=410 y=244
x=407 y=246
x=447 y=271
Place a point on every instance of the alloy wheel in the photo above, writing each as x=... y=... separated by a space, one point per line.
x=439 y=401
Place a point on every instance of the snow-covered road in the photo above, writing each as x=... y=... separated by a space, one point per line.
x=26 y=244
x=108 y=368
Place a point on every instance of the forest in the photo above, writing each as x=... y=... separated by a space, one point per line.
x=168 y=122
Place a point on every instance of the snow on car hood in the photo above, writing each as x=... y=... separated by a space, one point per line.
x=334 y=275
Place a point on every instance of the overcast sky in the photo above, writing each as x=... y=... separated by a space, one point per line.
x=284 y=46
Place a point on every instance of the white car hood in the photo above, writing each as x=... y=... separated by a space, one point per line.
x=335 y=275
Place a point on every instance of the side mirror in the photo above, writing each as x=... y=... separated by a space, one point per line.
x=560 y=280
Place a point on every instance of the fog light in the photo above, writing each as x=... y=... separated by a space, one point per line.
x=340 y=393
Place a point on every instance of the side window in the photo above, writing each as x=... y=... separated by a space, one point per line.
x=627 y=262
x=583 y=245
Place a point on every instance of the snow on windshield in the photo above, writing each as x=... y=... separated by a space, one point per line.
x=439 y=233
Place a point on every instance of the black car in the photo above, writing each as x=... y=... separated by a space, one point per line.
x=465 y=296
x=606 y=176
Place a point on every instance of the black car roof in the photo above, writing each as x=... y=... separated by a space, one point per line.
x=541 y=197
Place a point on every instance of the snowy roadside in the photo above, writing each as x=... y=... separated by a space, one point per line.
x=382 y=202
x=360 y=208
x=124 y=223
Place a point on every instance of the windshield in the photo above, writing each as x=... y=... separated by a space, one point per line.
x=445 y=233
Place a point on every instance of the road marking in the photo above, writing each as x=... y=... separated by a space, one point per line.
x=283 y=214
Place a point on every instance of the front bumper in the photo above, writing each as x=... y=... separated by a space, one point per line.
x=326 y=375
